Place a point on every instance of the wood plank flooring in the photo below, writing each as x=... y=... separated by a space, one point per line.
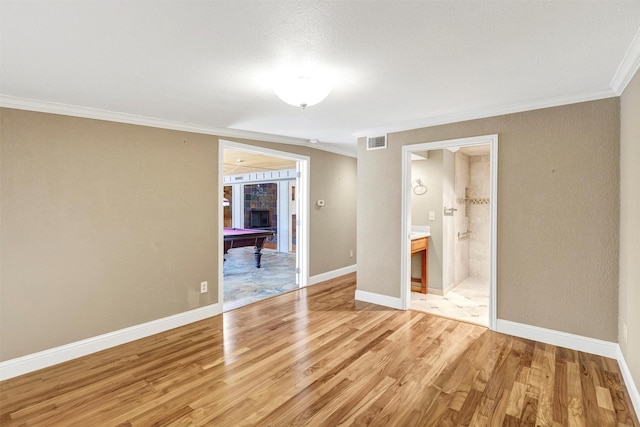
x=316 y=357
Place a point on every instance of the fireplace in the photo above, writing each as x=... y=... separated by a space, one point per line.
x=259 y=218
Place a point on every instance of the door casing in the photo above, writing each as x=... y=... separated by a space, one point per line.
x=492 y=140
x=302 y=209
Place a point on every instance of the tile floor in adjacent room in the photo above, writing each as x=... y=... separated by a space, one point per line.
x=244 y=283
x=469 y=302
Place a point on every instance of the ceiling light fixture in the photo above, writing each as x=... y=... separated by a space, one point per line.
x=302 y=91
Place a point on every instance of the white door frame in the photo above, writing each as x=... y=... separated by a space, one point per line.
x=291 y=185
x=302 y=206
x=405 y=294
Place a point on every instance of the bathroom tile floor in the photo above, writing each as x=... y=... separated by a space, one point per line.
x=469 y=302
x=244 y=283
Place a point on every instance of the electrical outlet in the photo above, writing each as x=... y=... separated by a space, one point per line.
x=624 y=332
x=432 y=216
x=351 y=253
x=203 y=287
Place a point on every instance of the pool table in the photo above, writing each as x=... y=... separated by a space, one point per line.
x=239 y=237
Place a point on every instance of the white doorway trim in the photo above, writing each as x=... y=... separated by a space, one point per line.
x=405 y=295
x=302 y=206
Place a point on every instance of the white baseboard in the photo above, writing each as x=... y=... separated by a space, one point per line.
x=32 y=362
x=332 y=274
x=562 y=339
x=632 y=389
x=379 y=299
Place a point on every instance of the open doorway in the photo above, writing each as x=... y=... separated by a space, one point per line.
x=264 y=250
x=449 y=224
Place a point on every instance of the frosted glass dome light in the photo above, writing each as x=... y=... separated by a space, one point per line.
x=302 y=91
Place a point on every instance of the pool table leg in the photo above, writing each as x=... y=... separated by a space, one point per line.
x=257 y=255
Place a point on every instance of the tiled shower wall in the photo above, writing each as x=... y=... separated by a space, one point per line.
x=461 y=224
x=479 y=191
x=472 y=253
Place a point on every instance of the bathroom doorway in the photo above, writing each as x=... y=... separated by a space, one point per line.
x=449 y=223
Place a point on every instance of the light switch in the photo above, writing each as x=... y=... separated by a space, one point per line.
x=432 y=216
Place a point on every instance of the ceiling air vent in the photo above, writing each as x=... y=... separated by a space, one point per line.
x=376 y=142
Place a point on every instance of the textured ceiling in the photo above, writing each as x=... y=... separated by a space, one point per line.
x=239 y=162
x=393 y=64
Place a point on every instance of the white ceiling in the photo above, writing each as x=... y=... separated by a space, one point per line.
x=476 y=150
x=211 y=65
x=239 y=162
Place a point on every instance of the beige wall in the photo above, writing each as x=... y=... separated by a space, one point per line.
x=104 y=226
x=107 y=225
x=430 y=171
x=558 y=214
x=630 y=226
x=333 y=231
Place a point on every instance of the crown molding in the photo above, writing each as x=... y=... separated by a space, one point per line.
x=492 y=112
x=325 y=146
x=628 y=66
x=111 y=116
x=626 y=71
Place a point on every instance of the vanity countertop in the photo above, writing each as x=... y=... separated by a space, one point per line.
x=419 y=231
x=418 y=234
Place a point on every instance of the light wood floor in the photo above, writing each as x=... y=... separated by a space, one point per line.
x=316 y=357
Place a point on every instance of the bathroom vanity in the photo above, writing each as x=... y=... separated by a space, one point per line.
x=420 y=243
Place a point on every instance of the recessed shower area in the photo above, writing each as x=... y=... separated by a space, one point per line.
x=449 y=206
